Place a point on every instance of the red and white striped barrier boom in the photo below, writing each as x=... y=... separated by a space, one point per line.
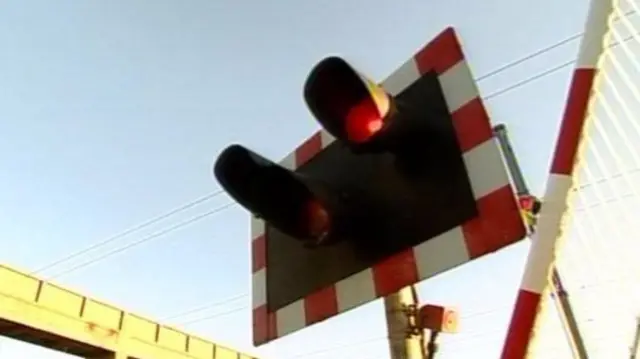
x=549 y=229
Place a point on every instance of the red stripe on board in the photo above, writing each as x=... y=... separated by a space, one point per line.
x=395 y=273
x=441 y=54
x=258 y=253
x=320 y=305
x=573 y=121
x=498 y=225
x=521 y=327
x=264 y=325
x=311 y=147
x=472 y=124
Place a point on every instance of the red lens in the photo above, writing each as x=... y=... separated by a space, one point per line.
x=363 y=121
x=316 y=219
x=526 y=203
x=347 y=104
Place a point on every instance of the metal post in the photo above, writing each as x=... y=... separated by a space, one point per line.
x=561 y=296
x=569 y=320
x=500 y=131
x=432 y=346
x=404 y=343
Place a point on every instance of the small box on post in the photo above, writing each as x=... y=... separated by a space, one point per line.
x=438 y=319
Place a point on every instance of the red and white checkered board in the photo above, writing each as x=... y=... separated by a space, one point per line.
x=499 y=222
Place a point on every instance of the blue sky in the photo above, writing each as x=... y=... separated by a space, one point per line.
x=112 y=112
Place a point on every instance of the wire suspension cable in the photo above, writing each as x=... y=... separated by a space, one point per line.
x=127 y=232
x=143 y=240
x=206 y=306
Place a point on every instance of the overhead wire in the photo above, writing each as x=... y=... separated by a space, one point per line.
x=204 y=307
x=212 y=316
x=528 y=57
x=546 y=72
x=538 y=53
x=528 y=80
x=126 y=232
x=143 y=240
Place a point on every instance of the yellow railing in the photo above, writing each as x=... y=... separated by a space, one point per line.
x=46 y=314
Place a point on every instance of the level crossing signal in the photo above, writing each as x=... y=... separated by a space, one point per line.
x=530 y=206
x=404 y=181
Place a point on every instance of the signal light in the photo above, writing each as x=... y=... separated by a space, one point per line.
x=363 y=121
x=526 y=202
x=412 y=186
x=347 y=104
x=530 y=203
x=530 y=206
x=258 y=183
x=394 y=178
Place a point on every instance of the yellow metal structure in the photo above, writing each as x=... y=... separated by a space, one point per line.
x=45 y=314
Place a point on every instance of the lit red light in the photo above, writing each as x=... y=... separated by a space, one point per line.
x=363 y=121
x=527 y=202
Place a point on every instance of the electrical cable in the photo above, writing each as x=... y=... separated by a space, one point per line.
x=212 y=316
x=546 y=72
x=528 y=57
x=528 y=80
x=127 y=232
x=206 y=306
x=540 y=52
x=143 y=240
